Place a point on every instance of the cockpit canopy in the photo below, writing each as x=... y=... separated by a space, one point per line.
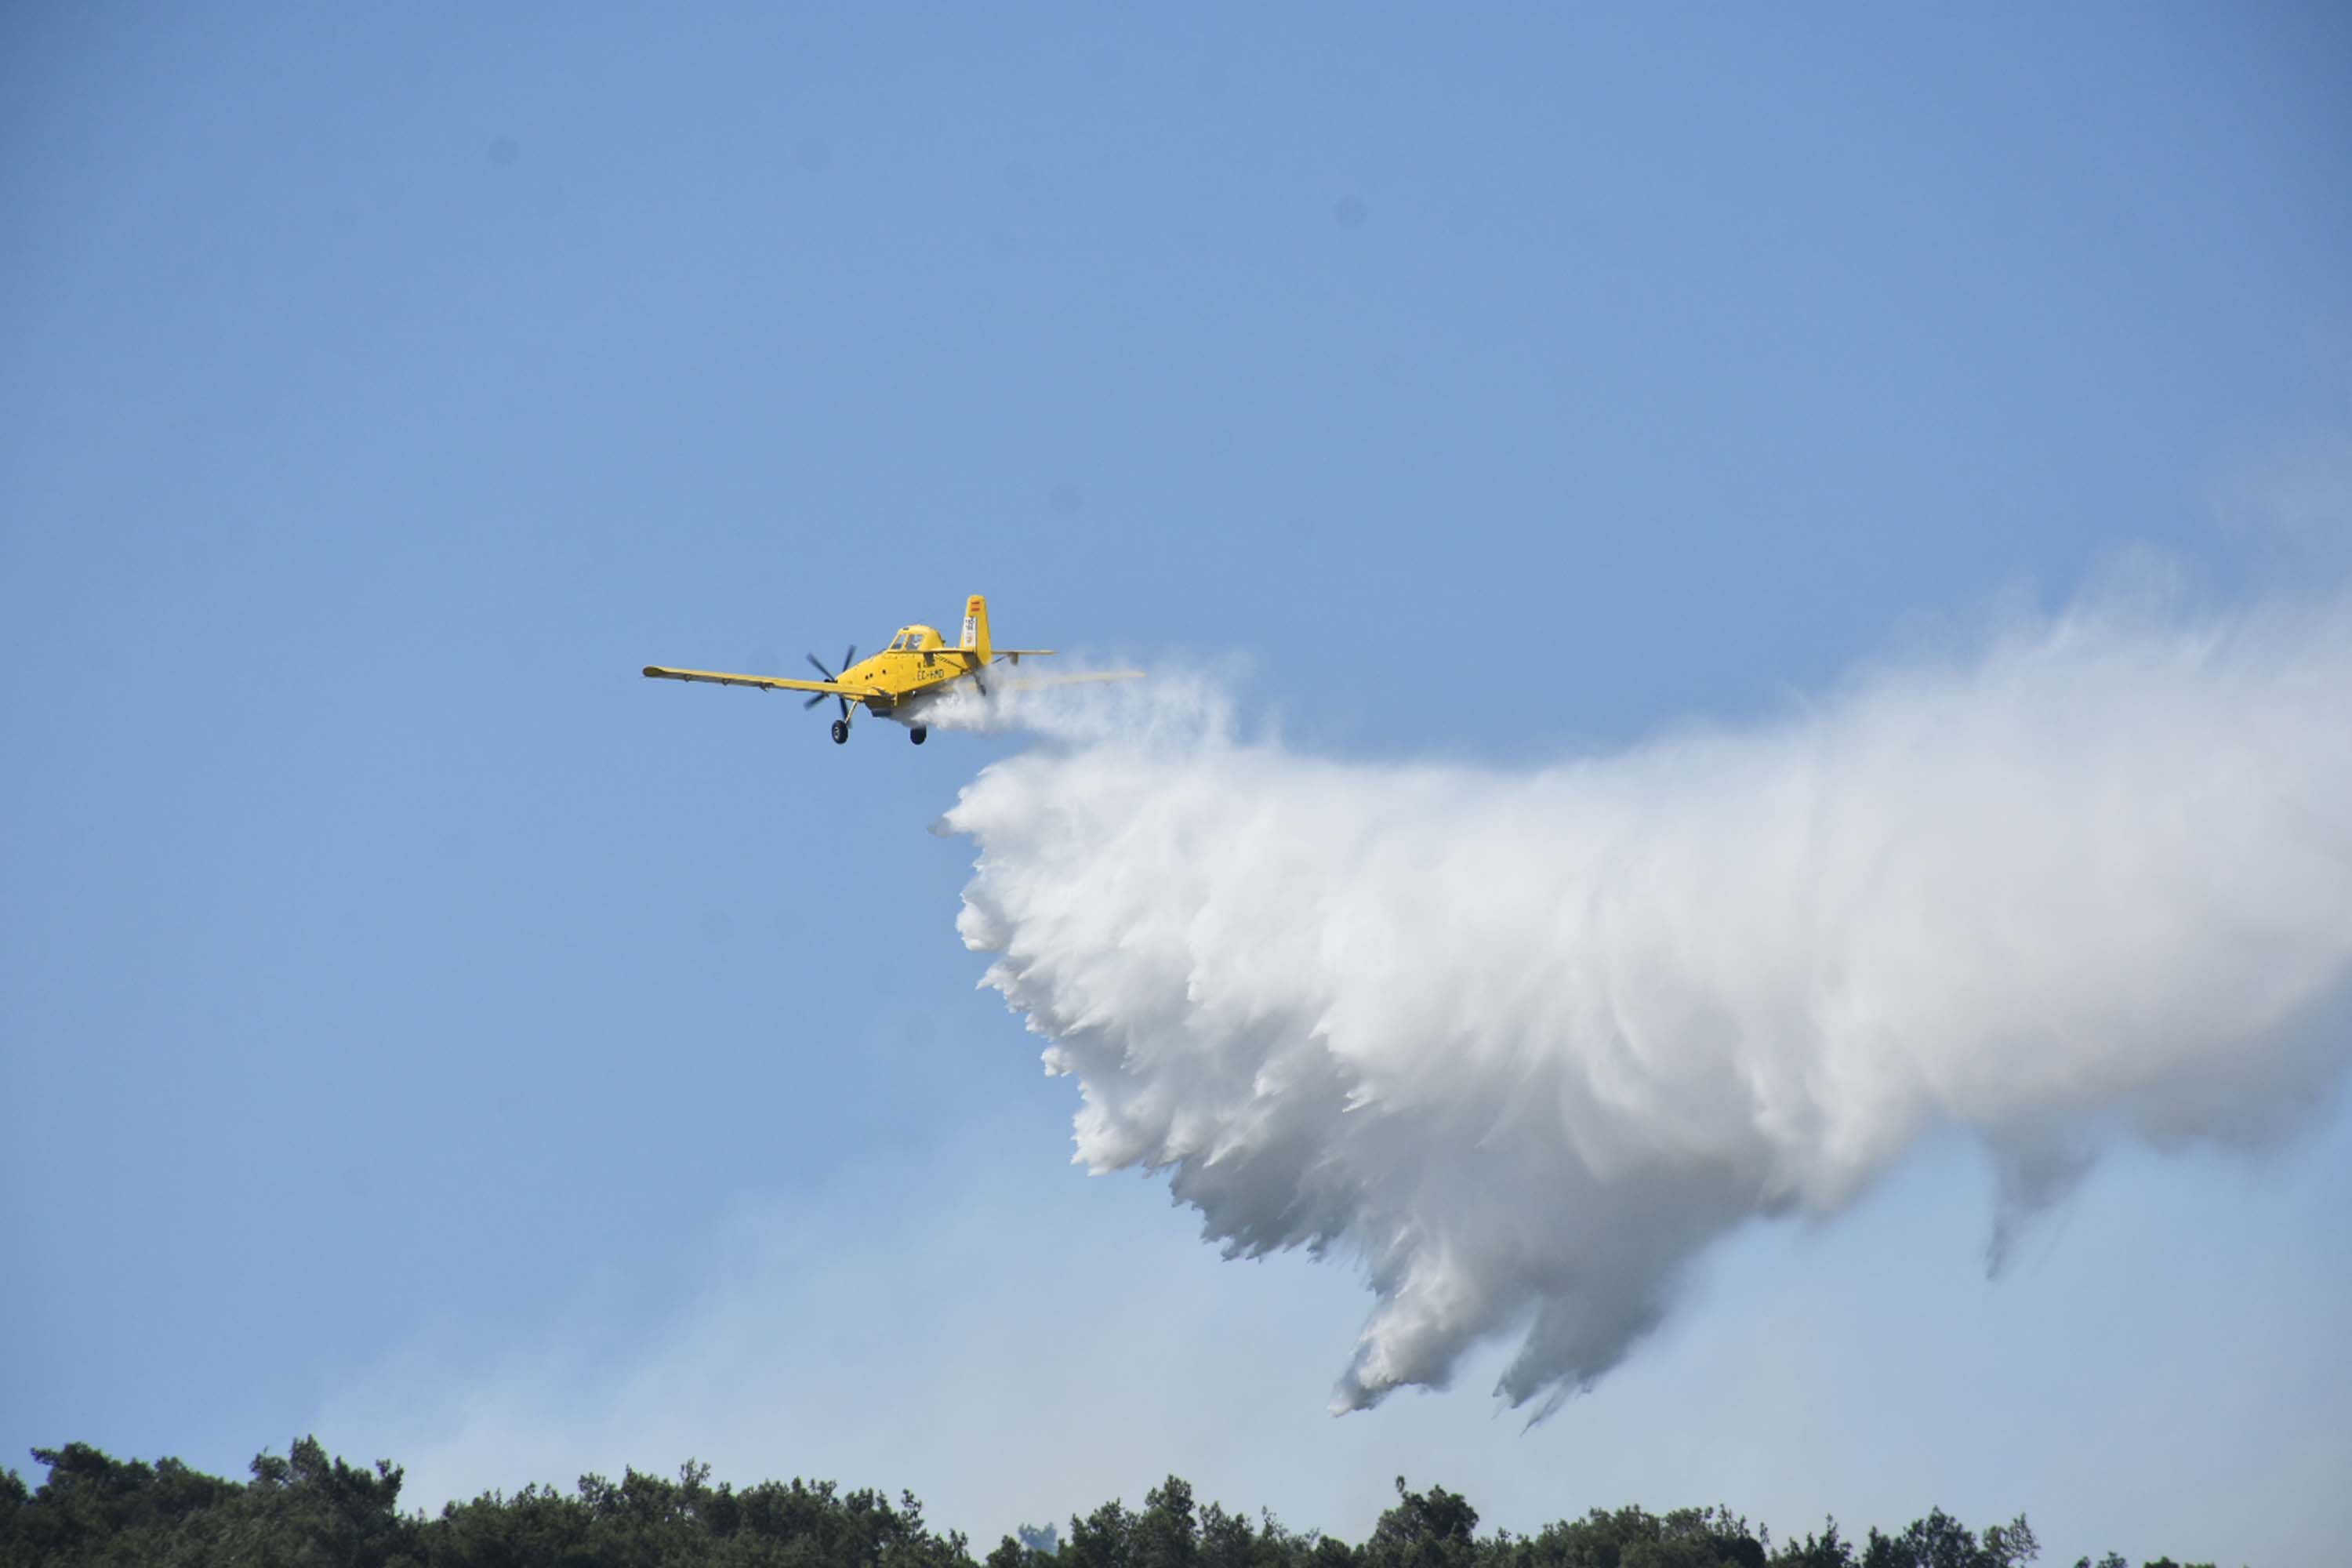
x=913 y=640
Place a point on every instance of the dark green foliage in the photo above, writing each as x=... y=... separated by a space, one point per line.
x=1829 y=1549
x=1435 y=1529
x=1939 y=1541
x=300 y=1509
x=308 y=1510
x=644 y=1522
x=1636 y=1538
x=1167 y=1534
x=1101 y=1540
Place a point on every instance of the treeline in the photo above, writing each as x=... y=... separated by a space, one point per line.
x=308 y=1510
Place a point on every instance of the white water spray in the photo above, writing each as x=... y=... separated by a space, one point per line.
x=1525 y=1043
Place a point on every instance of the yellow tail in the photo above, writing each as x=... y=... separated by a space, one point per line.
x=975 y=629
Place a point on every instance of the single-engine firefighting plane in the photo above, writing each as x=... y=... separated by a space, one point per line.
x=905 y=678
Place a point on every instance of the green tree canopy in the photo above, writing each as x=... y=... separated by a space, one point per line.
x=310 y=1509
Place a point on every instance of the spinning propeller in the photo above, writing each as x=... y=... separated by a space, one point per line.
x=847 y=660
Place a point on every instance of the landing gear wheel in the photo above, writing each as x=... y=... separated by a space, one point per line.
x=918 y=734
x=840 y=731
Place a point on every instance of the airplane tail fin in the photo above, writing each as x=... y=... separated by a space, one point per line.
x=975 y=629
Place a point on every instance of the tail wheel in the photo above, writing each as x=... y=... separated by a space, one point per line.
x=918 y=734
x=840 y=731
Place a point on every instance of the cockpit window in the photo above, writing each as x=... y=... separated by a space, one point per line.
x=899 y=642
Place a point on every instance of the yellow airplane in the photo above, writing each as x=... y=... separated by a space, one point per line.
x=904 y=678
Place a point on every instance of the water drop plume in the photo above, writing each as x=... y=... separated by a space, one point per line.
x=1523 y=1043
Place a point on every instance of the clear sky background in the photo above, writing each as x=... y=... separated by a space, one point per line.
x=419 y=1028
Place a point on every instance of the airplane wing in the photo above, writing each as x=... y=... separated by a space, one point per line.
x=765 y=683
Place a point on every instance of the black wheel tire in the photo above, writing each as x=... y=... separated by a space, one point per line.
x=840 y=731
x=918 y=734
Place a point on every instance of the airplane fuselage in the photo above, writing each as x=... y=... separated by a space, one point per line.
x=902 y=677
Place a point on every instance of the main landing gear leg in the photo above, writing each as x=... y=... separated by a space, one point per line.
x=918 y=734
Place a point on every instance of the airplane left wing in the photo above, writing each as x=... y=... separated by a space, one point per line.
x=764 y=683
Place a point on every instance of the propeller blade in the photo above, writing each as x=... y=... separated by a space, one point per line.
x=847 y=660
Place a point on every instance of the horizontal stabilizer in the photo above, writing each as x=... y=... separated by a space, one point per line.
x=1092 y=678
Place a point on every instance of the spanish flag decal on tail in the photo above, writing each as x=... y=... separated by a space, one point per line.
x=975 y=629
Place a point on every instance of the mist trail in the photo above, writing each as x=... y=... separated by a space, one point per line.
x=1524 y=1043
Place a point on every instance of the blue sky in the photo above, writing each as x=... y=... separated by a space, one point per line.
x=397 y=991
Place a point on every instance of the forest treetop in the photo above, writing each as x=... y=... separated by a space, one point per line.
x=306 y=1508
